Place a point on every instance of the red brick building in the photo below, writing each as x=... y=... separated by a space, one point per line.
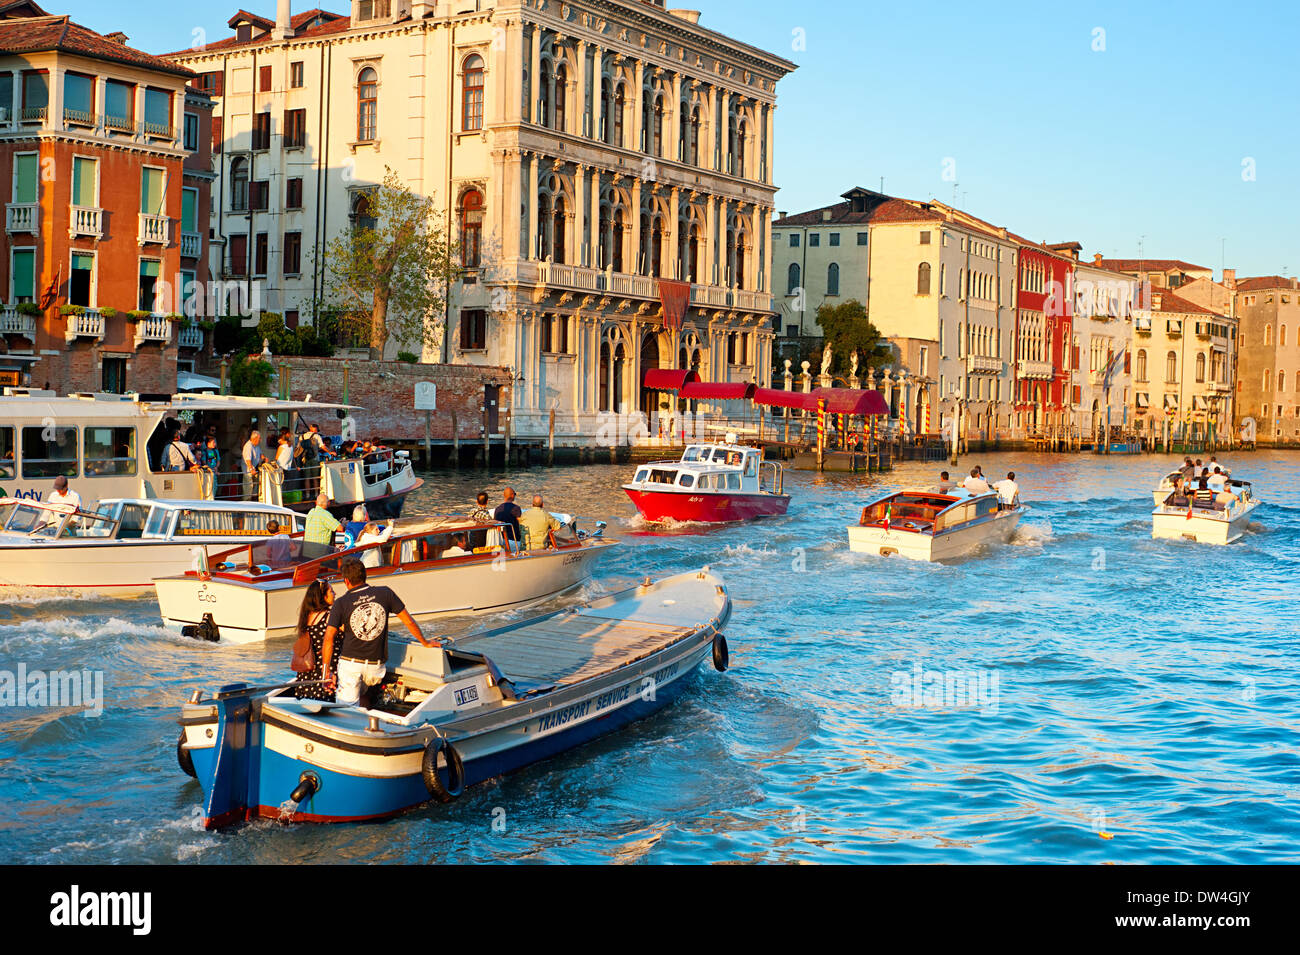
x=1044 y=340
x=106 y=156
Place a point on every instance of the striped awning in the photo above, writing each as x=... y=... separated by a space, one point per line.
x=669 y=379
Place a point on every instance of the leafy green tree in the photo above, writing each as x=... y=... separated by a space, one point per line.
x=392 y=265
x=847 y=329
x=251 y=377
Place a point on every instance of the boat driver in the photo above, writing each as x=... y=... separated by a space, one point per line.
x=1008 y=491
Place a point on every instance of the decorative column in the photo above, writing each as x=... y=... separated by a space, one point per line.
x=708 y=251
x=722 y=278
x=635 y=228
x=534 y=164
x=594 y=248
x=637 y=118
x=769 y=152
x=756 y=256
x=674 y=269
x=535 y=91
x=674 y=118
x=597 y=89
x=580 y=48
x=724 y=140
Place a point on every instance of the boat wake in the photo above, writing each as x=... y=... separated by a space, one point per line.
x=1032 y=535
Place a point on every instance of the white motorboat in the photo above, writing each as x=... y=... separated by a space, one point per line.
x=453 y=716
x=1221 y=521
x=123 y=544
x=933 y=525
x=112 y=446
x=251 y=594
x=1166 y=485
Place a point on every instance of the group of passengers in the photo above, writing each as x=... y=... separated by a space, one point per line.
x=1008 y=490
x=1204 y=484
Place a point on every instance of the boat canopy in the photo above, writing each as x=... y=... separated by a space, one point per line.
x=849 y=401
x=718 y=390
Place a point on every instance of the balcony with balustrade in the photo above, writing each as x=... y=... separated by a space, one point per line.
x=154 y=229
x=1025 y=368
x=191 y=245
x=14 y=322
x=190 y=337
x=155 y=329
x=86 y=221
x=87 y=324
x=983 y=365
x=577 y=278
x=22 y=217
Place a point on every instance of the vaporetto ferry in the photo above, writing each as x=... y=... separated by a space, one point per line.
x=111 y=446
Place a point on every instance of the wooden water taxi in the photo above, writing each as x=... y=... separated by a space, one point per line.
x=711 y=484
x=438 y=566
x=452 y=716
x=930 y=525
x=123 y=544
x=1221 y=520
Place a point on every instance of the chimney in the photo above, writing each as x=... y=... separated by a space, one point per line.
x=1096 y=258
x=1155 y=301
x=282 y=29
x=117 y=37
x=1230 y=278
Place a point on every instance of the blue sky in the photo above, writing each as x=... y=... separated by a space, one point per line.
x=1144 y=140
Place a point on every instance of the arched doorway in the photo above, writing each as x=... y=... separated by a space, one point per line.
x=649 y=359
x=612 y=359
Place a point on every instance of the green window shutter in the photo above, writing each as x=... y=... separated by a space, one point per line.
x=151 y=192
x=151 y=268
x=26 y=167
x=187 y=210
x=83 y=182
x=83 y=262
x=24 y=274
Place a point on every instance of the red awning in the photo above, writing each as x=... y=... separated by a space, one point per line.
x=717 y=391
x=668 y=379
x=851 y=401
x=779 y=398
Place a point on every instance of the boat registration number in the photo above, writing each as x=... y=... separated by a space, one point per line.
x=467 y=695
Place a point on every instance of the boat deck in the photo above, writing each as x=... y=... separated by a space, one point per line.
x=571 y=647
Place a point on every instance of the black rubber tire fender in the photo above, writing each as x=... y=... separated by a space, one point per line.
x=183 y=757
x=721 y=656
x=453 y=767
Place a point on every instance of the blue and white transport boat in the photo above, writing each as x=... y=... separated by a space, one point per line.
x=452 y=716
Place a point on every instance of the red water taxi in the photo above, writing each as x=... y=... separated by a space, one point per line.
x=711 y=484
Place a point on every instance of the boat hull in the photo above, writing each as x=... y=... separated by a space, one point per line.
x=947 y=545
x=252 y=614
x=122 y=568
x=1174 y=524
x=663 y=507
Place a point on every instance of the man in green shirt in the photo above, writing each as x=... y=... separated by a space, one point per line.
x=318 y=536
x=535 y=523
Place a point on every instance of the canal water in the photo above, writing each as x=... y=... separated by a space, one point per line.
x=1084 y=694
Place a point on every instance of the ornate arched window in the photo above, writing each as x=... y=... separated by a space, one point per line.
x=656 y=146
x=544 y=225
x=471 y=229
x=544 y=93
x=1142 y=364
x=558 y=221
x=695 y=136
x=1171 y=367
x=1200 y=366
x=1268 y=334
x=741 y=140
x=472 y=93
x=792 y=279
x=367 y=105
x=923 y=279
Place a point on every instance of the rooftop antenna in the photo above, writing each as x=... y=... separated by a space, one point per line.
x=882 y=185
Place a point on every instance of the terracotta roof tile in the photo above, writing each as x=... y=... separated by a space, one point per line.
x=1150 y=265
x=46 y=34
x=1169 y=302
x=1265 y=282
x=337 y=23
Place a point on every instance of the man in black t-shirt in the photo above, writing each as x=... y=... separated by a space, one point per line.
x=361 y=616
x=508 y=513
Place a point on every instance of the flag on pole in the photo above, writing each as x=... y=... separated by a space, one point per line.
x=889 y=510
x=51 y=293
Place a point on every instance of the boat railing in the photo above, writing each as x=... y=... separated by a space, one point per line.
x=774 y=484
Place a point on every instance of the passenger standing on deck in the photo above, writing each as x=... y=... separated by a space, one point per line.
x=508 y=513
x=252 y=455
x=312 y=617
x=536 y=524
x=360 y=619
x=1008 y=490
x=318 y=537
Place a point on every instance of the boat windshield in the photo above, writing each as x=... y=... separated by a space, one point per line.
x=34 y=521
x=695 y=453
x=88 y=526
x=225 y=521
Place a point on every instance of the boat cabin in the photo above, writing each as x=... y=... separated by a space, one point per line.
x=149 y=520
x=715 y=468
x=925 y=512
